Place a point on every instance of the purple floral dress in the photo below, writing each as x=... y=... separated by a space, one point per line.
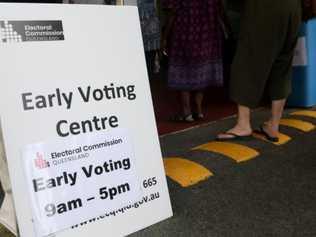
x=195 y=45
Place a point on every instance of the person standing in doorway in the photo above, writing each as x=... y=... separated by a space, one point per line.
x=193 y=40
x=151 y=31
x=263 y=63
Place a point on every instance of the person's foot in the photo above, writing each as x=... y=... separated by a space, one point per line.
x=236 y=132
x=270 y=130
x=182 y=118
x=198 y=116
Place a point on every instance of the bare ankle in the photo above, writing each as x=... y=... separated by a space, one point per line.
x=243 y=127
x=273 y=125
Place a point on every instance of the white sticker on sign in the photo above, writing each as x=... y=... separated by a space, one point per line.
x=73 y=180
x=300 y=53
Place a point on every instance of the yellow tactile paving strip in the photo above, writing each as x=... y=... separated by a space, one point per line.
x=307 y=113
x=188 y=173
x=237 y=152
x=185 y=172
x=298 y=124
x=283 y=139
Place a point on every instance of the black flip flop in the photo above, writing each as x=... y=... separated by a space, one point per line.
x=233 y=137
x=261 y=131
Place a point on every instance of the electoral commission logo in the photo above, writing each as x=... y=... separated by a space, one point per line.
x=22 y=31
x=39 y=161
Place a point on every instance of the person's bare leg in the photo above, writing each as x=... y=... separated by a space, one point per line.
x=242 y=127
x=186 y=105
x=272 y=126
x=198 y=101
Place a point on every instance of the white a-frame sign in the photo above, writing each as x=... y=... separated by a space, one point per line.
x=78 y=122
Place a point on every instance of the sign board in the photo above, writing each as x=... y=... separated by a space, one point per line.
x=78 y=121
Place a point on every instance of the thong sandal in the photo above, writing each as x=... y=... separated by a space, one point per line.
x=233 y=137
x=270 y=138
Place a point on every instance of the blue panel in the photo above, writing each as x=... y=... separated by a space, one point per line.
x=304 y=78
x=303 y=30
x=298 y=96
x=311 y=44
